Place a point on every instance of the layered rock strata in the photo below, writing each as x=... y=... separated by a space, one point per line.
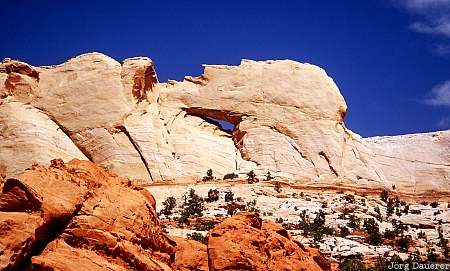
x=287 y=118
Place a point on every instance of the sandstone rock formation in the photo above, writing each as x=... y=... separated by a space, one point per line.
x=417 y=162
x=78 y=216
x=190 y=255
x=245 y=242
x=288 y=119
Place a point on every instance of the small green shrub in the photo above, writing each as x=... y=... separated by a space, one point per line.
x=431 y=255
x=209 y=175
x=213 y=195
x=268 y=176
x=192 y=207
x=384 y=195
x=317 y=228
x=229 y=176
x=233 y=207
x=373 y=231
x=389 y=234
x=198 y=237
x=352 y=264
x=229 y=196
x=353 y=221
x=434 y=204
x=251 y=207
x=403 y=243
x=343 y=231
x=251 y=176
x=406 y=209
x=205 y=225
x=378 y=216
x=349 y=198
x=422 y=235
x=390 y=208
x=399 y=227
x=442 y=241
x=169 y=204
x=446 y=252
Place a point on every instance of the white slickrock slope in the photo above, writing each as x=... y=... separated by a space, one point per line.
x=288 y=118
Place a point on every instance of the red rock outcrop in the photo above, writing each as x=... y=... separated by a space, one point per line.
x=190 y=255
x=245 y=242
x=78 y=216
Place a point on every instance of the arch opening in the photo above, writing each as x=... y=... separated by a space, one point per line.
x=226 y=121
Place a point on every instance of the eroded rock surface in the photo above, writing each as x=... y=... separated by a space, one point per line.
x=245 y=242
x=80 y=212
x=78 y=216
x=417 y=162
x=288 y=119
x=190 y=255
x=290 y=204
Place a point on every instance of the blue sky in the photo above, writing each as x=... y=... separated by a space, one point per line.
x=390 y=58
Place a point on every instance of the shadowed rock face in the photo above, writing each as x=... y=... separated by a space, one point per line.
x=288 y=119
x=82 y=217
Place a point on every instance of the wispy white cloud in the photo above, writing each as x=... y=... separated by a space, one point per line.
x=424 y=6
x=432 y=16
x=444 y=123
x=439 y=26
x=442 y=49
x=440 y=95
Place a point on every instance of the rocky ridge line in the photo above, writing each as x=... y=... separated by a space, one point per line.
x=288 y=119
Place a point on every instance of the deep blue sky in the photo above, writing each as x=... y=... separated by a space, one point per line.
x=384 y=70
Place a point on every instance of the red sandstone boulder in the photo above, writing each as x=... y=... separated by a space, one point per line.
x=245 y=242
x=83 y=216
x=78 y=216
x=190 y=255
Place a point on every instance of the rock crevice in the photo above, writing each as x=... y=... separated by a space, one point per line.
x=136 y=147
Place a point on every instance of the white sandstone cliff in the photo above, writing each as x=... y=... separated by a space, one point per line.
x=288 y=118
